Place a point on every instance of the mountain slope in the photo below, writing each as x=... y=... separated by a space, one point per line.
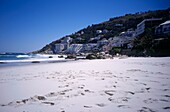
x=113 y=25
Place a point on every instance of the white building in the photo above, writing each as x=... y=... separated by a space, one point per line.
x=102 y=42
x=119 y=41
x=91 y=39
x=58 y=48
x=119 y=25
x=130 y=33
x=74 y=48
x=82 y=32
x=78 y=48
x=106 y=48
x=105 y=31
x=78 y=34
x=142 y=25
x=110 y=39
x=88 y=47
x=79 y=38
x=66 y=45
x=98 y=31
x=130 y=45
x=97 y=38
x=67 y=40
x=116 y=42
x=163 y=28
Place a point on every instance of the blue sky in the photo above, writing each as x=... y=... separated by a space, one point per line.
x=28 y=25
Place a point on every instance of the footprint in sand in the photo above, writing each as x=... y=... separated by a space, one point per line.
x=166 y=108
x=24 y=101
x=165 y=89
x=167 y=96
x=88 y=91
x=52 y=94
x=132 y=93
x=87 y=106
x=146 y=109
x=81 y=86
x=164 y=100
x=150 y=100
x=101 y=104
x=110 y=92
x=123 y=106
x=119 y=100
x=49 y=103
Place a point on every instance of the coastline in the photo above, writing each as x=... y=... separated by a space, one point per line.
x=32 y=63
x=126 y=85
x=34 y=60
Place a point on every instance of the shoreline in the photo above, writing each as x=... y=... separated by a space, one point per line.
x=38 y=63
x=11 y=63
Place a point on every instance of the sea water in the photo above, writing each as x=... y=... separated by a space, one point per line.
x=16 y=56
x=13 y=59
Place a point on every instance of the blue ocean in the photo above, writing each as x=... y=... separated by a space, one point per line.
x=13 y=59
x=16 y=56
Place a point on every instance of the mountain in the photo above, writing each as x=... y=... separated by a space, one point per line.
x=112 y=28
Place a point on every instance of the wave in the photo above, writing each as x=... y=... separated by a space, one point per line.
x=28 y=56
x=23 y=56
x=37 y=56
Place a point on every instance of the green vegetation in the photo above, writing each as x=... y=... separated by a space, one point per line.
x=115 y=50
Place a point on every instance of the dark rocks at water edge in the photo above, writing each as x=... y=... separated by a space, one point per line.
x=35 y=62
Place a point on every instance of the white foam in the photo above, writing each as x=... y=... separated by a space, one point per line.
x=23 y=56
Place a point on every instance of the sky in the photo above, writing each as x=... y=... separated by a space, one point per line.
x=28 y=25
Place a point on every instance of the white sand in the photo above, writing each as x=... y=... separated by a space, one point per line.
x=116 y=85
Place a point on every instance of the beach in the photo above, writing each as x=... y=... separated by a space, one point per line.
x=133 y=84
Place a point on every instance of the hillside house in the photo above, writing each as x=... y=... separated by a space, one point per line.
x=105 y=31
x=130 y=45
x=102 y=42
x=82 y=32
x=78 y=48
x=74 y=48
x=88 y=47
x=163 y=29
x=119 y=41
x=128 y=33
x=98 y=37
x=118 y=25
x=79 y=38
x=67 y=40
x=58 y=48
x=98 y=31
x=147 y=23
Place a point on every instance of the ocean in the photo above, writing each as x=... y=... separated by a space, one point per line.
x=16 y=56
x=13 y=59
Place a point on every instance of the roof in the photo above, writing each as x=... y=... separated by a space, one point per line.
x=151 y=19
x=166 y=22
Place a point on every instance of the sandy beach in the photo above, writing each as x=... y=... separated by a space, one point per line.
x=110 y=85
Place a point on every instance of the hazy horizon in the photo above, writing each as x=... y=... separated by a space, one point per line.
x=28 y=25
